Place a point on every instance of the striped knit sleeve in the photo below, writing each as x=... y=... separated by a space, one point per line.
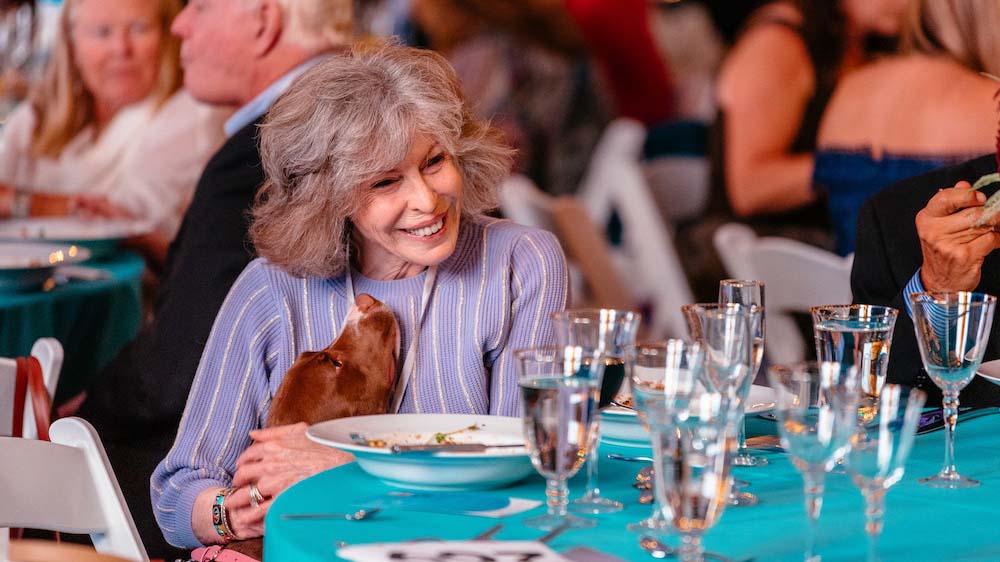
x=225 y=402
x=539 y=285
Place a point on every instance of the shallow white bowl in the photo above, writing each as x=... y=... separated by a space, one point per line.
x=440 y=471
x=25 y=266
x=622 y=427
x=101 y=236
x=990 y=371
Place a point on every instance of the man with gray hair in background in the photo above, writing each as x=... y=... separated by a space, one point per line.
x=242 y=54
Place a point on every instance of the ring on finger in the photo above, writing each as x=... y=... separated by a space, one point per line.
x=256 y=498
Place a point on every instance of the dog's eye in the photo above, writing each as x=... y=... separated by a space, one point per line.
x=337 y=363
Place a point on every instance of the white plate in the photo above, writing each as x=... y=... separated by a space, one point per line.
x=621 y=426
x=990 y=371
x=26 y=265
x=441 y=471
x=99 y=235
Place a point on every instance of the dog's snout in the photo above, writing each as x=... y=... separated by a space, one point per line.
x=364 y=302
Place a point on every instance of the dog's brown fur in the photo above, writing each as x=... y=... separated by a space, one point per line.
x=354 y=376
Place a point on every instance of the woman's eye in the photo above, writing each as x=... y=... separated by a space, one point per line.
x=435 y=160
x=384 y=183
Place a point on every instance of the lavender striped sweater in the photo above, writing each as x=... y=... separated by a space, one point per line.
x=492 y=295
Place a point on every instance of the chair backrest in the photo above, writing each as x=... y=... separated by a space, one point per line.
x=49 y=353
x=615 y=180
x=797 y=276
x=67 y=485
x=522 y=202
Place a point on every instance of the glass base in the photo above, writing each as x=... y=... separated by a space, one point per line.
x=741 y=499
x=550 y=522
x=595 y=504
x=744 y=458
x=949 y=480
x=661 y=550
x=651 y=523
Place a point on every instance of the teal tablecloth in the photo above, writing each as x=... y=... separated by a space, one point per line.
x=920 y=524
x=91 y=319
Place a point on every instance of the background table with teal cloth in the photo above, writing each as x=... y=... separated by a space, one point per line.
x=91 y=319
x=920 y=524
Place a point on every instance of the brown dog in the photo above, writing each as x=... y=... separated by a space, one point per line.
x=354 y=376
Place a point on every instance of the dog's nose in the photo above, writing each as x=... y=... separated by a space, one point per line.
x=364 y=302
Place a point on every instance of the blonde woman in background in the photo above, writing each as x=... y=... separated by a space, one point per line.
x=107 y=131
x=911 y=113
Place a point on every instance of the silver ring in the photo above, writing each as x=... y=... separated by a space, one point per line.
x=256 y=498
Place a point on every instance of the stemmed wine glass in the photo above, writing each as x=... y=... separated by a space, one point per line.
x=857 y=335
x=725 y=332
x=747 y=292
x=877 y=458
x=663 y=376
x=692 y=461
x=610 y=332
x=559 y=390
x=952 y=330
x=816 y=406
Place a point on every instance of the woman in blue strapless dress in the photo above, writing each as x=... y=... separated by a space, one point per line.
x=911 y=113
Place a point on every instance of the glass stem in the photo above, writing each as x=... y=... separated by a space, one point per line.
x=691 y=549
x=950 y=404
x=593 y=489
x=813 y=489
x=659 y=484
x=874 y=509
x=556 y=492
x=743 y=436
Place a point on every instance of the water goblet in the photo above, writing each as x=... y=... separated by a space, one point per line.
x=952 y=330
x=816 y=407
x=693 y=464
x=559 y=390
x=663 y=376
x=611 y=332
x=747 y=292
x=857 y=335
x=726 y=332
x=878 y=453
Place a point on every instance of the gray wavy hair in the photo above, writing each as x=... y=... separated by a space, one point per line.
x=344 y=122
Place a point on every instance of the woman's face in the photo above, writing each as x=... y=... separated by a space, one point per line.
x=116 y=45
x=411 y=219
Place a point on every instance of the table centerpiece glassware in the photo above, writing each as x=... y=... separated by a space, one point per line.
x=560 y=386
x=611 y=332
x=816 y=406
x=952 y=331
x=747 y=292
x=878 y=453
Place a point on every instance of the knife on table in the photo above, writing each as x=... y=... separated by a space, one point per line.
x=432 y=448
x=934 y=419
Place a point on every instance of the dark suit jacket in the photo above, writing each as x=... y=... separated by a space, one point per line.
x=888 y=254
x=137 y=401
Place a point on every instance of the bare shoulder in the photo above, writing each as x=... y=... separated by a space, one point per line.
x=767 y=56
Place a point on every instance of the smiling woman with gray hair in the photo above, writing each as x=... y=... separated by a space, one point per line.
x=377 y=178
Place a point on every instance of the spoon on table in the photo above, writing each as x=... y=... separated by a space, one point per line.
x=358 y=515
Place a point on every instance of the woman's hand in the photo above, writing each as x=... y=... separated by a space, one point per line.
x=99 y=207
x=952 y=248
x=279 y=457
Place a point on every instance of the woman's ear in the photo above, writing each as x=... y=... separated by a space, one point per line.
x=270 y=25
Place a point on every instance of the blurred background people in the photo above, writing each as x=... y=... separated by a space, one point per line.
x=235 y=55
x=106 y=130
x=772 y=90
x=907 y=114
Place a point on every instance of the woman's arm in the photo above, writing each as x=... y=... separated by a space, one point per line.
x=539 y=286
x=229 y=393
x=764 y=87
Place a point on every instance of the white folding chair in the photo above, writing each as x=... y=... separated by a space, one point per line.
x=49 y=353
x=587 y=252
x=797 y=276
x=67 y=485
x=615 y=180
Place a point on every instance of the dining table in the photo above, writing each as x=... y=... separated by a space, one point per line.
x=91 y=318
x=921 y=523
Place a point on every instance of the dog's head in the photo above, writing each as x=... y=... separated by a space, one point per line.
x=354 y=376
